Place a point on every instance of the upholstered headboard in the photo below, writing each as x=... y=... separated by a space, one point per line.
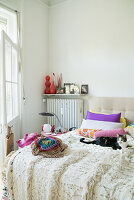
x=113 y=105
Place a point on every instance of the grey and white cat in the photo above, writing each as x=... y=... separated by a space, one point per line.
x=122 y=141
x=116 y=143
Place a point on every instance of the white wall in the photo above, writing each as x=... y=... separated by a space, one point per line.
x=92 y=41
x=34 y=62
x=14 y=4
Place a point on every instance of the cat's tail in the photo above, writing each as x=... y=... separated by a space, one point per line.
x=87 y=142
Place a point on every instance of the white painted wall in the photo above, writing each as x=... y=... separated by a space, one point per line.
x=34 y=62
x=14 y=4
x=92 y=41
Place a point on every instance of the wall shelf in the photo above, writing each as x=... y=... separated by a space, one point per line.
x=45 y=96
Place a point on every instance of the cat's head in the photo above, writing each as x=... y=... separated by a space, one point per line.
x=121 y=138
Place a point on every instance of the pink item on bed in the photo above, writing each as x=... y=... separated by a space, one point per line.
x=109 y=133
x=28 y=139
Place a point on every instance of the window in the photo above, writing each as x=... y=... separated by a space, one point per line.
x=11 y=69
x=3 y=24
x=9 y=66
x=8 y=23
x=9 y=77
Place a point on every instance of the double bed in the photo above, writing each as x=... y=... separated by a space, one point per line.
x=86 y=172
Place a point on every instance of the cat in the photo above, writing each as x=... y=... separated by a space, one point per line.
x=107 y=141
x=122 y=141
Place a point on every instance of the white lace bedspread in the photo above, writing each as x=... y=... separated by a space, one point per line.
x=86 y=172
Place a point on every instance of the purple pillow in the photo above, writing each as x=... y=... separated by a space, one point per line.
x=103 y=117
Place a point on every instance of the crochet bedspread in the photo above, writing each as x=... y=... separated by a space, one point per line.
x=86 y=172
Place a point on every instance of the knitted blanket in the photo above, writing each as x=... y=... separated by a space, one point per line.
x=86 y=172
x=49 y=147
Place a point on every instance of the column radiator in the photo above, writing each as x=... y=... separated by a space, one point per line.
x=69 y=111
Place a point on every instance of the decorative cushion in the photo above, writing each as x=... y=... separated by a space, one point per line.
x=103 y=117
x=122 y=119
x=130 y=129
x=86 y=132
x=49 y=147
x=110 y=133
x=97 y=125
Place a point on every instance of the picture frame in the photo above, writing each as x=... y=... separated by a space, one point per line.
x=84 y=89
x=72 y=88
x=69 y=88
x=60 y=91
x=76 y=89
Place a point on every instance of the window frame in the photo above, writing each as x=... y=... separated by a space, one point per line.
x=5 y=38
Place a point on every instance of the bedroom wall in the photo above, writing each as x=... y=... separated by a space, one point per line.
x=92 y=42
x=14 y=4
x=34 y=62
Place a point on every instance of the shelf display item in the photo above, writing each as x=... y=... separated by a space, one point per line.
x=47 y=84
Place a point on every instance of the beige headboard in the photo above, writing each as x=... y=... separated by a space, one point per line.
x=113 y=105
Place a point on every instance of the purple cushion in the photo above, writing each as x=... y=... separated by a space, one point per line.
x=103 y=117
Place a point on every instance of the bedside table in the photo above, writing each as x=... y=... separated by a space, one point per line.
x=53 y=134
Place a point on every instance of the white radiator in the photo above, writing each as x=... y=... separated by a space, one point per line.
x=69 y=111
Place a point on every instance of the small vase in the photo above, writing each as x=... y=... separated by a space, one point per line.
x=53 y=89
x=47 y=85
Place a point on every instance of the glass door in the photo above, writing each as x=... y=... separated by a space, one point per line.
x=10 y=112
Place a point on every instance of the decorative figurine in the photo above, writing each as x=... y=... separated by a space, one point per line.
x=53 y=88
x=47 y=84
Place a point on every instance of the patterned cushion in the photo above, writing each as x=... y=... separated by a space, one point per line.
x=130 y=129
x=86 y=132
x=123 y=120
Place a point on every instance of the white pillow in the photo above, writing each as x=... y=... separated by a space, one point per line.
x=104 y=125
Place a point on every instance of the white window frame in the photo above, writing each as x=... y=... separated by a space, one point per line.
x=15 y=121
x=4 y=81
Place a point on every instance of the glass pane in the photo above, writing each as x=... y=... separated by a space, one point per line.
x=9 y=101
x=2 y=27
x=14 y=65
x=15 y=99
x=8 y=61
x=10 y=21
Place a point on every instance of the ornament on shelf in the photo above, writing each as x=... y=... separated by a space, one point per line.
x=53 y=88
x=76 y=89
x=59 y=81
x=59 y=88
x=47 y=84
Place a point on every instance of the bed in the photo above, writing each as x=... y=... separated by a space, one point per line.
x=86 y=172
